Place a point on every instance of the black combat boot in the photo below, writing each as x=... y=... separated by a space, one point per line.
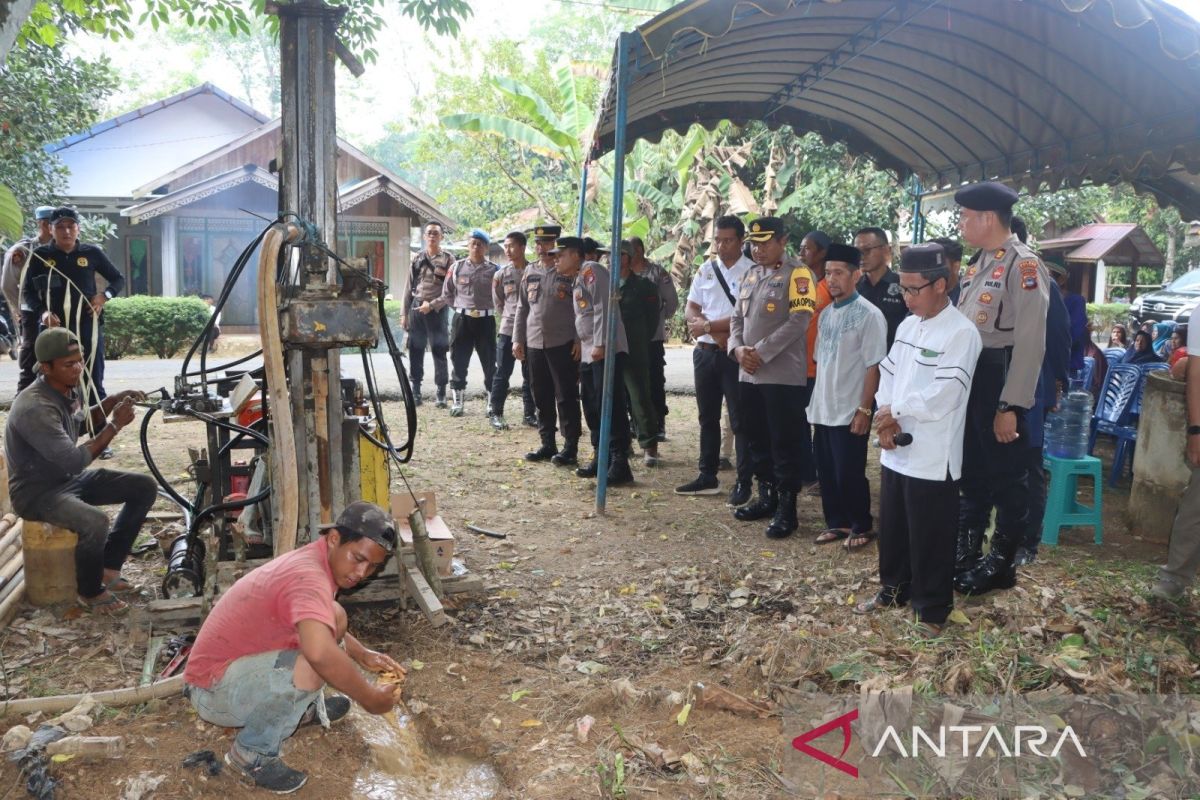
x=568 y=456
x=588 y=470
x=619 y=473
x=997 y=570
x=784 y=524
x=546 y=451
x=416 y=389
x=763 y=506
x=969 y=550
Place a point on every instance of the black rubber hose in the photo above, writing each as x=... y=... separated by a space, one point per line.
x=158 y=476
x=224 y=366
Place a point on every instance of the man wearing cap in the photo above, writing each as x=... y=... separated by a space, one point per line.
x=272 y=642
x=60 y=289
x=48 y=478
x=1005 y=295
x=923 y=386
x=468 y=293
x=639 y=316
x=505 y=295
x=767 y=337
x=544 y=334
x=591 y=295
x=954 y=254
x=424 y=316
x=851 y=343
x=669 y=302
x=879 y=283
x=708 y=312
x=25 y=324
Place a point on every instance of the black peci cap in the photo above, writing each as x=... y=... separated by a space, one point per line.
x=843 y=253
x=923 y=257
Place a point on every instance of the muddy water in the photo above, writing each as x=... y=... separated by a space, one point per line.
x=400 y=767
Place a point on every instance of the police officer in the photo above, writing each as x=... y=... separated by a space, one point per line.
x=60 y=290
x=592 y=295
x=879 y=283
x=767 y=336
x=468 y=292
x=505 y=296
x=1005 y=293
x=25 y=324
x=425 y=316
x=544 y=334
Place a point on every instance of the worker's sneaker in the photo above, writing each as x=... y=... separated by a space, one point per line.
x=702 y=485
x=107 y=453
x=336 y=707
x=1167 y=589
x=267 y=772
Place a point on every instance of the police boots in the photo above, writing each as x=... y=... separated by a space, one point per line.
x=441 y=396
x=763 y=506
x=568 y=456
x=619 y=473
x=416 y=389
x=969 y=550
x=547 y=450
x=997 y=570
x=457 y=399
x=784 y=524
x=589 y=469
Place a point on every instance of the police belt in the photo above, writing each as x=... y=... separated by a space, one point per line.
x=995 y=356
x=474 y=312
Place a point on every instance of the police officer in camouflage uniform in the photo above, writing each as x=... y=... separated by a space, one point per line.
x=424 y=317
x=505 y=296
x=468 y=293
x=1005 y=293
x=544 y=335
x=767 y=336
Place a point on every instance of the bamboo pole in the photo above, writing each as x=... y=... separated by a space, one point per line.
x=113 y=698
x=16 y=595
x=11 y=532
x=11 y=566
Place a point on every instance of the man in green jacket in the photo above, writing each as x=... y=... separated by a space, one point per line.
x=639 y=311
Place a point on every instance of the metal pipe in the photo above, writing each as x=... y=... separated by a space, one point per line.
x=918 y=228
x=320 y=388
x=610 y=343
x=582 y=199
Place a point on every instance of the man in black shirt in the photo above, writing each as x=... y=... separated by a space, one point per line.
x=879 y=283
x=60 y=291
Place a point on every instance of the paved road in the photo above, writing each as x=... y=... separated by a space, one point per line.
x=149 y=374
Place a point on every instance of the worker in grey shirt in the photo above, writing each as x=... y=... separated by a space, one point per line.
x=506 y=285
x=591 y=294
x=669 y=303
x=544 y=335
x=468 y=293
x=48 y=476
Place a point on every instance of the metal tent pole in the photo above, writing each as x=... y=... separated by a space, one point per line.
x=610 y=343
x=582 y=199
x=918 y=225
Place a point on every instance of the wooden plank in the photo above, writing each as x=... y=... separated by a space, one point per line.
x=427 y=601
x=177 y=612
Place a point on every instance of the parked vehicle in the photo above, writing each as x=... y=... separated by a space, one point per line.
x=1172 y=303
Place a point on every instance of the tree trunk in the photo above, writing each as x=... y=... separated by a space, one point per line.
x=1169 y=267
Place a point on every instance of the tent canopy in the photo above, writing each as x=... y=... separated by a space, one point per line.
x=1030 y=92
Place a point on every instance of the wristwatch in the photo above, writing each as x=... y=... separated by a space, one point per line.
x=863 y=410
x=1003 y=407
x=1193 y=430
x=708 y=326
x=108 y=294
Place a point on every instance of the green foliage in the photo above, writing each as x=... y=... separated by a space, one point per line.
x=159 y=325
x=1104 y=315
x=10 y=214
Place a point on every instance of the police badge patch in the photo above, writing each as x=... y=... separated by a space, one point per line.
x=802 y=285
x=1028 y=269
x=82 y=261
x=894 y=289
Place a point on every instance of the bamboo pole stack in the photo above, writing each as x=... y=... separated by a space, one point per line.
x=12 y=565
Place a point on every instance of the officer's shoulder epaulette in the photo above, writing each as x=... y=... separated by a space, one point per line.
x=1023 y=250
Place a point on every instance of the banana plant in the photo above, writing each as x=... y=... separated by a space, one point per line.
x=10 y=215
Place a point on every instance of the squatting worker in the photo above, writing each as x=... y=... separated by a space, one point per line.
x=544 y=333
x=767 y=337
x=48 y=476
x=60 y=289
x=710 y=303
x=505 y=298
x=274 y=640
x=468 y=293
x=25 y=323
x=923 y=386
x=1005 y=295
x=424 y=317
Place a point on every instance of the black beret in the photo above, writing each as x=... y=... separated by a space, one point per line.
x=764 y=228
x=844 y=253
x=923 y=257
x=986 y=196
x=547 y=232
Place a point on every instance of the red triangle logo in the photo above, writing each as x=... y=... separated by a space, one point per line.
x=801 y=742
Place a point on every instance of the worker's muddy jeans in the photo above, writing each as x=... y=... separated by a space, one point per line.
x=256 y=694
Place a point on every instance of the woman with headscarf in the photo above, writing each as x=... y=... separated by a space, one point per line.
x=1141 y=351
x=1162 y=338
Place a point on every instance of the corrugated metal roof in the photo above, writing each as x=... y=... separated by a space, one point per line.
x=1101 y=240
x=1059 y=92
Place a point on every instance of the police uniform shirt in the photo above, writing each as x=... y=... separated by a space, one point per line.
x=427 y=276
x=888 y=297
x=774 y=309
x=668 y=297
x=591 y=294
x=505 y=286
x=925 y=381
x=1005 y=294
x=54 y=278
x=707 y=293
x=468 y=286
x=545 y=309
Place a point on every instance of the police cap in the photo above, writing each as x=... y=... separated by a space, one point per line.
x=547 y=232
x=590 y=245
x=64 y=212
x=843 y=253
x=986 y=196
x=923 y=257
x=43 y=212
x=571 y=243
x=764 y=229
x=476 y=233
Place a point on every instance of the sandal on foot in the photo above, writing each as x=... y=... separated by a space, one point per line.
x=107 y=604
x=876 y=603
x=863 y=540
x=830 y=535
x=119 y=585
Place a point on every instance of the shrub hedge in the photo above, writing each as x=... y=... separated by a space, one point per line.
x=142 y=324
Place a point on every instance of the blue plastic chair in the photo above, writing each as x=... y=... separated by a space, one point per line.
x=1112 y=411
x=1114 y=355
x=1089 y=368
x=1126 y=433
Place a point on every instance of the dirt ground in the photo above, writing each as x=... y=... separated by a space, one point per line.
x=630 y=619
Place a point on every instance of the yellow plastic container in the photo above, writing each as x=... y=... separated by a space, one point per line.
x=49 y=564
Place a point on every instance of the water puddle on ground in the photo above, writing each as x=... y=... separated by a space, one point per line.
x=401 y=767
